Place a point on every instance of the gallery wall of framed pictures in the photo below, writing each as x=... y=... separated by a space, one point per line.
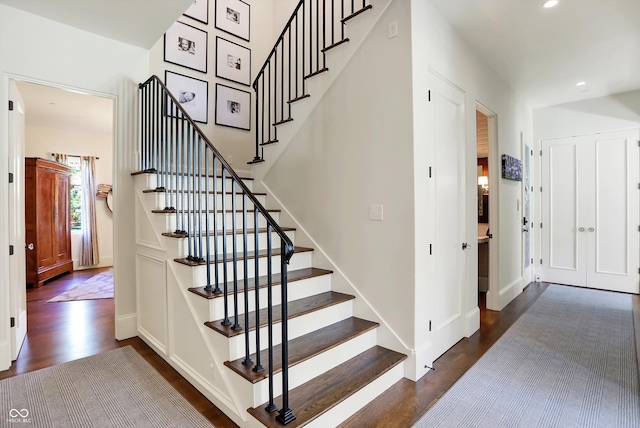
x=187 y=44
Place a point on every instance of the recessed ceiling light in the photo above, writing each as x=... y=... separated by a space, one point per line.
x=581 y=83
x=549 y=3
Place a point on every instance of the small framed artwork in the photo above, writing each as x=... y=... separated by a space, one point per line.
x=233 y=107
x=511 y=168
x=192 y=94
x=233 y=62
x=199 y=11
x=186 y=46
x=232 y=16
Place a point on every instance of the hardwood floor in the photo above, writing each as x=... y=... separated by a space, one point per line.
x=65 y=331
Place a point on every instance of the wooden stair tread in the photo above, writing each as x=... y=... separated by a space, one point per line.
x=312 y=399
x=315 y=73
x=283 y=121
x=229 y=232
x=336 y=44
x=356 y=13
x=296 y=308
x=172 y=211
x=304 y=347
x=293 y=275
x=186 y=175
x=250 y=255
x=161 y=190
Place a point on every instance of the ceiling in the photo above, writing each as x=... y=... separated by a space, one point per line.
x=542 y=53
x=136 y=22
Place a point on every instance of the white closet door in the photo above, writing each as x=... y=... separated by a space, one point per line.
x=612 y=233
x=591 y=211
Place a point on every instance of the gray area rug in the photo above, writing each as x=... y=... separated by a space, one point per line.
x=113 y=389
x=99 y=286
x=569 y=361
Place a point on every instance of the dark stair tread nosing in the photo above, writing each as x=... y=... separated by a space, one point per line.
x=296 y=308
x=174 y=211
x=304 y=347
x=250 y=255
x=283 y=121
x=356 y=13
x=160 y=190
x=315 y=73
x=301 y=97
x=336 y=44
x=255 y=161
x=315 y=397
x=266 y=143
x=189 y=175
x=292 y=276
x=239 y=231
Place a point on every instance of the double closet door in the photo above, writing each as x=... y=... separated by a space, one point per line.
x=590 y=216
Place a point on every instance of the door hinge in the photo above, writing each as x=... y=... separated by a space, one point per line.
x=12 y=322
x=531 y=152
x=531 y=261
x=11 y=250
x=540 y=262
x=429 y=325
x=430 y=249
x=540 y=152
x=11 y=177
x=540 y=188
x=429 y=95
x=540 y=225
x=429 y=172
x=10 y=105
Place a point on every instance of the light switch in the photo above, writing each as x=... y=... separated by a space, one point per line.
x=393 y=29
x=375 y=212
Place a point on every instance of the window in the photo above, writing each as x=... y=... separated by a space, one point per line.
x=76 y=191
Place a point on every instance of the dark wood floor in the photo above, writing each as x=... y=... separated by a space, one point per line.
x=65 y=331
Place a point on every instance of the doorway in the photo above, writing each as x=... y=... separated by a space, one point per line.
x=56 y=120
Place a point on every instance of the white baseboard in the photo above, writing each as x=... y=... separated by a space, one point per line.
x=497 y=301
x=104 y=262
x=472 y=322
x=126 y=326
x=5 y=355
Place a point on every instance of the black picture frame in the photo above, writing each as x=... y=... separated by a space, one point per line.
x=234 y=17
x=511 y=168
x=233 y=61
x=187 y=46
x=199 y=11
x=196 y=104
x=233 y=107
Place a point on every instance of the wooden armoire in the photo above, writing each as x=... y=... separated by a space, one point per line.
x=47 y=220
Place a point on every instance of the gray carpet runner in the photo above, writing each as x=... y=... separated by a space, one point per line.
x=113 y=389
x=569 y=361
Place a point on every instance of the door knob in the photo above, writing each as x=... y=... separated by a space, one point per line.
x=29 y=247
x=591 y=229
x=464 y=245
x=581 y=229
x=525 y=230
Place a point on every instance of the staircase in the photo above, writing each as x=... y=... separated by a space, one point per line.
x=223 y=293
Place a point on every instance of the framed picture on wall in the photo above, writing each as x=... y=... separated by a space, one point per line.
x=511 y=168
x=192 y=94
x=233 y=107
x=186 y=46
x=199 y=11
x=232 y=16
x=233 y=62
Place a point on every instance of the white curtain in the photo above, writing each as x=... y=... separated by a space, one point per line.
x=89 y=247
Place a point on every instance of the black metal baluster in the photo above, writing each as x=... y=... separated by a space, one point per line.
x=245 y=228
x=286 y=414
x=297 y=58
x=304 y=13
x=216 y=289
x=207 y=234
x=255 y=88
x=269 y=104
x=341 y=18
x=256 y=283
x=317 y=35
x=189 y=228
x=333 y=22
x=181 y=228
x=236 y=325
x=275 y=93
x=198 y=197
x=271 y=407
x=282 y=83
x=353 y=8
x=226 y=320
x=311 y=70
x=289 y=95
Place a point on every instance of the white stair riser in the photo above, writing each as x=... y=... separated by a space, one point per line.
x=182 y=244
x=159 y=200
x=298 y=261
x=298 y=326
x=309 y=369
x=296 y=290
x=188 y=182
x=172 y=220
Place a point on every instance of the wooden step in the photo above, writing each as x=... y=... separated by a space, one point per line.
x=356 y=13
x=304 y=347
x=294 y=275
x=296 y=308
x=174 y=211
x=211 y=192
x=250 y=255
x=336 y=44
x=229 y=232
x=312 y=399
x=315 y=73
x=153 y=171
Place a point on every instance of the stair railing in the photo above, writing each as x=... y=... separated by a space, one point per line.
x=314 y=27
x=186 y=166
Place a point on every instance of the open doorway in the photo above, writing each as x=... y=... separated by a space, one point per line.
x=63 y=121
x=482 y=143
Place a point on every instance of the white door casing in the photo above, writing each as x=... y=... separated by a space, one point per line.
x=590 y=211
x=447 y=197
x=17 y=272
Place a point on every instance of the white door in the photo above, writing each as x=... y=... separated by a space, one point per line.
x=590 y=211
x=447 y=187
x=17 y=272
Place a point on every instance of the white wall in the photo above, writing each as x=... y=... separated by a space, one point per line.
x=437 y=47
x=42 y=141
x=603 y=114
x=237 y=146
x=52 y=53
